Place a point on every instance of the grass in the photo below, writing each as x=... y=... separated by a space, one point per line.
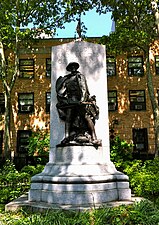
x=142 y=213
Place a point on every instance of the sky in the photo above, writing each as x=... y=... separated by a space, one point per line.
x=97 y=25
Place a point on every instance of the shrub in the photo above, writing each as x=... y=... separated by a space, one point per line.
x=120 y=152
x=12 y=183
x=144 y=178
x=32 y=170
x=39 y=144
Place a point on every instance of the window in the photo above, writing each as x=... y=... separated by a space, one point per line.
x=135 y=66
x=1 y=140
x=2 y=103
x=140 y=139
x=112 y=100
x=48 y=67
x=48 y=100
x=26 y=68
x=111 y=66
x=157 y=64
x=158 y=96
x=23 y=140
x=26 y=102
x=0 y=71
x=137 y=100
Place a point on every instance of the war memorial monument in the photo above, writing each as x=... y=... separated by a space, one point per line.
x=79 y=173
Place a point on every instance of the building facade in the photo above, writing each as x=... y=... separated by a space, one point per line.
x=130 y=112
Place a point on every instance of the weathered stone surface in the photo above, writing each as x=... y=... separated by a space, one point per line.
x=80 y=176
x=23 y=203
x=92 y=60
x=78 y=180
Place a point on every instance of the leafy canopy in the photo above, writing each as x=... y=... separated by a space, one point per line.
x=135 y=25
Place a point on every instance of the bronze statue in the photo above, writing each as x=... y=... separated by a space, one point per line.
x=77 y=108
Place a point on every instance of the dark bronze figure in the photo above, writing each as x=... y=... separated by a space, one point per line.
x=77 y=108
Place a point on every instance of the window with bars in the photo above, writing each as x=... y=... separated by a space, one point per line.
x=25 y=102
x=140 y=139
x=111 y=66
x=26 y=68
x=1 y=141
x=158 y=96
x=135 y=66
x=2 y=103
x=23 y=140
x=112 y=101
x=48 y=101
x=157 y=64
x=137 y=100
x=48 y=67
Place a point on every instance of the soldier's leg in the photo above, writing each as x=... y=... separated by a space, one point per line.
x=91 y=127
x=68 y=123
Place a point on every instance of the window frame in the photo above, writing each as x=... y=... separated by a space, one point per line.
x=138 y=133
x=111 y=103
x=111 y=65
x=48 y=68
x=157 y=62
x=158 y=97
x=131 y=69
x=21 y=143
x=31 y=106
x=1 y=140
x=137 y=105
x=26 y=68
x=47 y=100
x=2 y=104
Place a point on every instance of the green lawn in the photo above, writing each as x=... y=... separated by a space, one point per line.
x=142 y=213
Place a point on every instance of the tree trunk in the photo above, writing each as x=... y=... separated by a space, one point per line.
x=6 y=89
x=154 y=104
x=7 y=139
x=157 y=138
x=154 y=4
x=8 y=86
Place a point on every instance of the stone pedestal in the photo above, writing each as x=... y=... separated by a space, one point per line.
x=80 y=176
x=79 y=179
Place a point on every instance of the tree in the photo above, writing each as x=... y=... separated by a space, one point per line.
x=44 y=17
x=137 y=28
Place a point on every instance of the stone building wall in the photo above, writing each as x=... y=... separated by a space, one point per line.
x=40 y=84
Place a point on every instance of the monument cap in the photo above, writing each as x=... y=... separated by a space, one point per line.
x=71 y=64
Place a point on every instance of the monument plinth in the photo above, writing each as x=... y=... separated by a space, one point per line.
x=79 y=172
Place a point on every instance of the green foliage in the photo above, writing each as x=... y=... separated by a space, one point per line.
x=141 y=213
x=44 y=16
x=22 y=24
x=56 y=217
x=32 y=170
x=144 y=178
x=120 y=152
x=7 y=168
x=135 y=26
x=39 y=144
x=12 y=183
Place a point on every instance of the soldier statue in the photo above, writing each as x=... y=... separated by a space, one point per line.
x=77 y=108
